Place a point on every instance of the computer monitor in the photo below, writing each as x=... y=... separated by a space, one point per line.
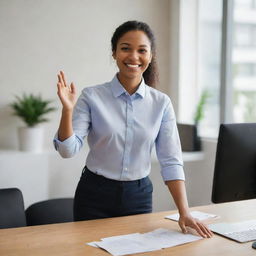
x=235 y=163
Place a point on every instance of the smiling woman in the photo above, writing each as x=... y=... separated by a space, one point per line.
x=132 y=55
x=142 y=36
x=123 y=119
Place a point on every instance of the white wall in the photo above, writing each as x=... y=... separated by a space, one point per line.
x=39 y=38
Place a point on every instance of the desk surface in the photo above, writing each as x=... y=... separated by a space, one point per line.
x=70 y=238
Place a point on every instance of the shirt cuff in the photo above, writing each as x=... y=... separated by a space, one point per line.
x=174 y=172
x=66 y=143
x=69 y=147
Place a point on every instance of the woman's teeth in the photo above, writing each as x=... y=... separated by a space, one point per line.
x=133 y=66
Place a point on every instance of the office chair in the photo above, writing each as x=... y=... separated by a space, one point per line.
x=12 y=213
x=50 y=211
x=189 y=137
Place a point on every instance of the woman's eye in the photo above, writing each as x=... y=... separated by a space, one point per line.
x=142 y=50
x=124 y=48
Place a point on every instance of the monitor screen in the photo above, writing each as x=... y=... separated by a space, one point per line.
x=235 y=163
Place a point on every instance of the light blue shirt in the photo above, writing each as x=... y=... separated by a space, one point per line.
x=122 y=129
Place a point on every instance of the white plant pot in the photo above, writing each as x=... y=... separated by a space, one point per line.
x=30 y=139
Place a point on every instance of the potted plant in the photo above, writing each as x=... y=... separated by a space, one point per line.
x=199 y=114
x=31 y=109
x=189 y=138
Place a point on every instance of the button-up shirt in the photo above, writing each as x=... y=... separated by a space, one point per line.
x=121 y=131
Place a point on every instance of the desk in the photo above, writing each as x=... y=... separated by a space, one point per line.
x=70 y=238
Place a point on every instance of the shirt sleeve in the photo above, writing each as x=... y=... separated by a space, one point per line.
x=81 y=121
x=168 y=147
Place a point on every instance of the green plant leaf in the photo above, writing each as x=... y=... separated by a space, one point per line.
x=199 y=114
x=31 y=109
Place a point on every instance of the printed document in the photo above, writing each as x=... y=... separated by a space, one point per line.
x=195 y=214
x=146 y=242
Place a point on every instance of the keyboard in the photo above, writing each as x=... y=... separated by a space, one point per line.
x=243 y=236
x=239 y=231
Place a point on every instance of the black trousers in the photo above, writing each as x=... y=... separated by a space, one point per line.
x=97 y=197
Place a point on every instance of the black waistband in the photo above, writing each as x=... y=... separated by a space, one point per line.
x=91 y=174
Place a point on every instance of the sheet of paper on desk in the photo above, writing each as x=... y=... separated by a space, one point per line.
x=196 y=214
x=114 y=238
x=167 y=238
x=151 y=241
x=124 y=246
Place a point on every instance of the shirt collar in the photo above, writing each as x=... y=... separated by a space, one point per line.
x=118 y=89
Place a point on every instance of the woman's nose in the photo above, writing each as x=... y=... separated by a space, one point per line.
x=133 y=55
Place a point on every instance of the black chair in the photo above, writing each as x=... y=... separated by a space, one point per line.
x=50 y=211
x=189 y=137
x=12 y=213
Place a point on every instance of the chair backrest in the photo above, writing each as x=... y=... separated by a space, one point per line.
x=12 y=213
x=50 y=211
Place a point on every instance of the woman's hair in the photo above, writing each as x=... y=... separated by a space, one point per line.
x=151 y=73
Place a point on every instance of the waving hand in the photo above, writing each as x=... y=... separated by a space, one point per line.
x=66 y=93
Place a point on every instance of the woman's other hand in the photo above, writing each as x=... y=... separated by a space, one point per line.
x=66 y=93
x=188 y=221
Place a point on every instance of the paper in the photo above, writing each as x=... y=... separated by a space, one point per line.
x=165 y=238
x=93 y=244
x=123 y=246
x=113 y=238
x=195 y=214
x=137 y=243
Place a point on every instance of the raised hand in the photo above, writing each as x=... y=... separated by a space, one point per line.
x=66 y=93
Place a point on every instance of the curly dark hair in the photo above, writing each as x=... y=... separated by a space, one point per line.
x=151 y=73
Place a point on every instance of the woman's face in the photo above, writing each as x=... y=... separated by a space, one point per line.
x=133 y=54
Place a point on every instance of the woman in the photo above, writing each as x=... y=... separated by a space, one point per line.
x=123 y=120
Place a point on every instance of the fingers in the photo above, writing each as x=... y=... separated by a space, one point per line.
x=63 y=78
x=59 y=86
x=183 y=227
x=60 y=82
x=59 y=90
x=199 y=230
x=73 y=88
x=200 y=227
x=59 y=79
x=205 y=229
x=202 y=230
x=63 y=89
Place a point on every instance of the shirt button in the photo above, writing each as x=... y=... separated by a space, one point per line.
x=125 y=168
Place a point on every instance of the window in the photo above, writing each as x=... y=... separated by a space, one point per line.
x=218 y=54
x=209 y=59
x=243 y=35
x=244 y=61
x=200 y=58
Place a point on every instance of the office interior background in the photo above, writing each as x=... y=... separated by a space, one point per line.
x=202 y=45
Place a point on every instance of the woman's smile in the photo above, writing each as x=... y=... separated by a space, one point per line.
x=133 y=67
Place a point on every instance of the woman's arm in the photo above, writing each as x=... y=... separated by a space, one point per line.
x=65 y=128
x=67 y=95
x=178 y=191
